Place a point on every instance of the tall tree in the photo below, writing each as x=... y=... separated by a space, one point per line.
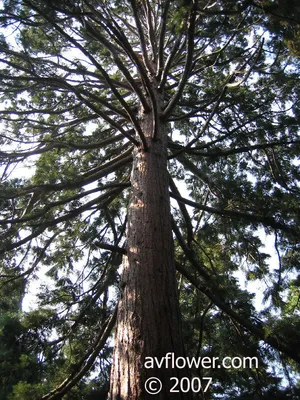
x=109 y=106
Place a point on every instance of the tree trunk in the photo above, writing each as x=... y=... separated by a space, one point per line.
x=148 y=323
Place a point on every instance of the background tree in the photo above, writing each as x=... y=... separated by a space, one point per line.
x=112 y=107
x=18 y=358
x=282 y=18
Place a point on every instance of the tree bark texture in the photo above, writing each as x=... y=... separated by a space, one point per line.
x=148 y=323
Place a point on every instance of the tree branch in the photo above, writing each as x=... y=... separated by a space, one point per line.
x=85 y=363
x=188 y=62
x=248 y=216
x=258 y=331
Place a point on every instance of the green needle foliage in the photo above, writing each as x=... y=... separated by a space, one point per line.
x=76 y=79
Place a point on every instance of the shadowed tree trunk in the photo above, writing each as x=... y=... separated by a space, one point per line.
x=148 y=318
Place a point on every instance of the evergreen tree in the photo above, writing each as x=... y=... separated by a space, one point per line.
x=160 y=140
x=18 y=344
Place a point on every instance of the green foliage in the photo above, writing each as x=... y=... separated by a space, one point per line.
x=76 y=79
x=18 y=360
x=26 y=391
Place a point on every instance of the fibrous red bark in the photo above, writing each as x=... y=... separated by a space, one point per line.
x=148 y=322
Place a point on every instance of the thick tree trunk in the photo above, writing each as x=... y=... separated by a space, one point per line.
x=148 y=322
